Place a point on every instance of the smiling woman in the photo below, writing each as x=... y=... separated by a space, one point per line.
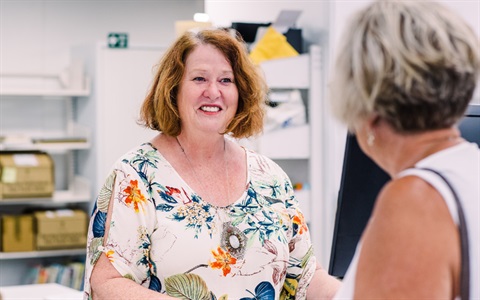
x=207 y=97
x=191 y=214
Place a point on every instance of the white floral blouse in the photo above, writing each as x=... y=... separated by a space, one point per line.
x=166 y=238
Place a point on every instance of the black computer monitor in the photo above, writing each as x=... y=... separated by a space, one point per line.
x=361 y=181
x=470 y=124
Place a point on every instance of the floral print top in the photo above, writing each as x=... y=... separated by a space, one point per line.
x=166 y=238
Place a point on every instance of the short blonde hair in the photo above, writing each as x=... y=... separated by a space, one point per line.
x=159 y=110
x=413 y=63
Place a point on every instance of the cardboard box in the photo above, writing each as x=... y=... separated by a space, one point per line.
x=26 y=174
x=60 y=229
x=17 y=233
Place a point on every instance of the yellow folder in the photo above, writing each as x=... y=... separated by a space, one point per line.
x=272 y=45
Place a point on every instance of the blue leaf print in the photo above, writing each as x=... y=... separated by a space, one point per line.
x=178 y=218
x=274 y=188
x=164 y=207
x=288 y=186
x=150 y=185
x=143 y=176
x=144 y=160
x=271 y=200
x=145 y=245
x=263 y=291
x=155 y=283
x=167 y=197
x=98 y=226
x=141 y=162
x=251 y=192
x=250 y=205
x=196 y=198
x=290 y=202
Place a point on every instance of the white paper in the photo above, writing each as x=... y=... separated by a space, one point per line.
x=286 y=19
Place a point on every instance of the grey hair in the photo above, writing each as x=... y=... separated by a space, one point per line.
x=413 y=63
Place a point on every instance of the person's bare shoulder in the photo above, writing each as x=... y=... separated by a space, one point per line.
x=410 y=246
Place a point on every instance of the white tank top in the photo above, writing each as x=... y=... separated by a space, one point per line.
x=461 y=166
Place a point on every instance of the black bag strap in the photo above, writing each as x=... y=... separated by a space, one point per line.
x=465 y=271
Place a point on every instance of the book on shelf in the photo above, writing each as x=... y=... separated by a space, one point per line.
x=69 y=274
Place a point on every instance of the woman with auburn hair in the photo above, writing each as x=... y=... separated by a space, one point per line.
x=191 y=214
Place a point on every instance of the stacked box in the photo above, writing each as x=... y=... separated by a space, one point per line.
x=60 y=229
x=17 y=233
x=26 y=174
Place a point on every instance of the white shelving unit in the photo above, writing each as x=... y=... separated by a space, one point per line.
x=77 y=192
x=298 y=148
x=41 y=254
x=49 y=124
x=116 y=101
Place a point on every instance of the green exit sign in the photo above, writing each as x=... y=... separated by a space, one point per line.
x=117 y=40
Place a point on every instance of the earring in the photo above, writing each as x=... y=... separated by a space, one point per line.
x=370 y=139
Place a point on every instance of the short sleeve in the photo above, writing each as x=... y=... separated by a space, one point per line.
x=133 y=220
x=302 y=261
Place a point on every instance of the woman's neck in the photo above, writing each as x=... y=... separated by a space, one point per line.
x=403 y=151
x=202 y=147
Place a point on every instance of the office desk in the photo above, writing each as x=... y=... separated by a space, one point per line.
x=47 y=291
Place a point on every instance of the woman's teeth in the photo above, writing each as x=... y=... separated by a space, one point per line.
x=210 y=108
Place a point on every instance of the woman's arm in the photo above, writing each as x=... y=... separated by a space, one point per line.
x=410 y=248
x=107 y=283
x=322 y=286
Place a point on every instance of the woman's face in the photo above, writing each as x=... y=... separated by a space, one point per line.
x=208 y=95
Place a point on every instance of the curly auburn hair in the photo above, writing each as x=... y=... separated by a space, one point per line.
x=159 y=110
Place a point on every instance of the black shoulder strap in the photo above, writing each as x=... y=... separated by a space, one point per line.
x=465 y=271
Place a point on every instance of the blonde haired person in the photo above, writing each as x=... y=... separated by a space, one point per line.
x=405 y=74
x=191 y=214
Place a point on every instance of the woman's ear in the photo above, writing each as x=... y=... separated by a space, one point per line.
x=372 y=122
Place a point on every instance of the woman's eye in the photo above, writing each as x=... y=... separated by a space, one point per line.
x=198 y=79
x=225 y=80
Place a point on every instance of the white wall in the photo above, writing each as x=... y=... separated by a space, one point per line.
x=36 y=35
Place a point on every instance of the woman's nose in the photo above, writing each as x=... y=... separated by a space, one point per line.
x=212 y=91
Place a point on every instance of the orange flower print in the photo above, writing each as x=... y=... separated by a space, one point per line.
x=134 y=195
x=299 y=220
x=223 y=261
x=109 y=255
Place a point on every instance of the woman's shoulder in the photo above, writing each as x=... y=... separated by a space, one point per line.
x=267 y=175
x=402 y=190
x=410 y=220
x=262 y=163
x=407 y=200
x=145 y=153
